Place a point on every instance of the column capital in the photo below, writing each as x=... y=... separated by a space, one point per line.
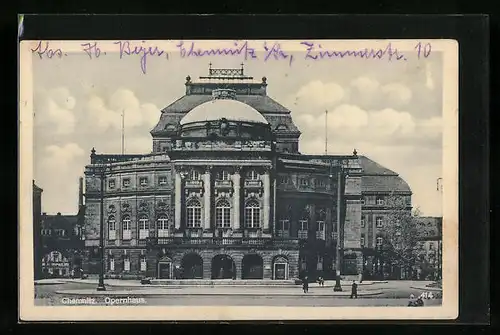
x=209 y=168
x=237 y=169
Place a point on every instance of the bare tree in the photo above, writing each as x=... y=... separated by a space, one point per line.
x=400 y=237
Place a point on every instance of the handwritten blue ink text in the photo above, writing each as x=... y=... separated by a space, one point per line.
x=127 y=50
x=316 y=52
x=192 y=51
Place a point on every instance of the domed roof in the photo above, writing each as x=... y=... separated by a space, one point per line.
x=232 y=110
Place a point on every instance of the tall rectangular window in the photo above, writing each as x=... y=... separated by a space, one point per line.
x=111 y=228
x=283 y=228
x=379 y=222
x=111 y=264
x=143 y=228
x=126 y=230
x=126 y=264
x=163 y=230
x=143 y=263
x=303 y=229
x=320 y=230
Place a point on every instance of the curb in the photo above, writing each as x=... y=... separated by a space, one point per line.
x=237 y=294
x=435 y=289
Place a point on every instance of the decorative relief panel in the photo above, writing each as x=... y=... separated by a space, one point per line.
x=111 y=210
x=126 y=207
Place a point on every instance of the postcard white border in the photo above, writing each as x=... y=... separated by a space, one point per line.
x=448 y=309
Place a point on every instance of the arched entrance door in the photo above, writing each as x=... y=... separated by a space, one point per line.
x=192 y=266
x=252 y=267
x=165 y=268
x=223 y=267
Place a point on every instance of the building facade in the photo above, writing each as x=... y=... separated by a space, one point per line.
x=226 y=194
x=59 y=243
x=430 y=247
x=37 y=219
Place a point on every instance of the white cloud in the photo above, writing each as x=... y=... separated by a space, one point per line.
x=396 y=94
x=121 y=102
x=316 y=96
x=54 y=108
x=365 y=85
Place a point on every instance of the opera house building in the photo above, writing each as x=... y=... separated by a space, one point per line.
x=226 y=194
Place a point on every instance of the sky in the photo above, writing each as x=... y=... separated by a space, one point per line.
x=390 y=112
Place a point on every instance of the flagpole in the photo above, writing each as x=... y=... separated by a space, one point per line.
x=326 y=132
x=123 y=131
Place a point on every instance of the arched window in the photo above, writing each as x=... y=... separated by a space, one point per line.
x=193 y=209
x=223 y=175
x=143 y=227
x=56 y=256
x=252 y=175
x=111 y=227
x=170 y=127
x=223 y=214
x=126 y=230
x=194 y=174
x=252 y=214
x=163 y=226
x=379 y=241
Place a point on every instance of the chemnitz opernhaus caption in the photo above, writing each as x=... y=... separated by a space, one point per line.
x=226 y=194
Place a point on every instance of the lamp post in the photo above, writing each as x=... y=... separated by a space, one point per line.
x=101 y=171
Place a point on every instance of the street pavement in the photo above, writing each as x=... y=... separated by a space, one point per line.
x=392 y=293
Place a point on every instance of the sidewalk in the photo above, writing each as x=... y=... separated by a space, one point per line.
x=136 y=283
x=223 y=291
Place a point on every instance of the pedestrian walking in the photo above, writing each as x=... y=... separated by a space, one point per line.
x=305 y=285
x=354 y=290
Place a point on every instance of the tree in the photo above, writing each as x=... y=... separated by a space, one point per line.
x=401 y=236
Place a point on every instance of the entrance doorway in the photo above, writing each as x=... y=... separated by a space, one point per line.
x=252 y=267
x=165 y=268
x=280 y=268
x=223 y=267
x=192 y=266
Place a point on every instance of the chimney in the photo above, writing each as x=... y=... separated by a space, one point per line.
x=80 y=193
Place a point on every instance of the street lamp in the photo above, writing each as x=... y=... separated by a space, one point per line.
x=101 y=170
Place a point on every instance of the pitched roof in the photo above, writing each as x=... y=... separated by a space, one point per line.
x=371 y=167
x=377 y=178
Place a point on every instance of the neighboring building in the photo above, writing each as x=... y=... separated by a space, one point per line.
x=225 y=193
x=431 y=249
x=377 y=185
x=61 y=243
x=37 y=219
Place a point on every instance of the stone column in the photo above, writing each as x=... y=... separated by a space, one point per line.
x=178 y=193
x=267 y=195
x=236 y=199
x=207 y=197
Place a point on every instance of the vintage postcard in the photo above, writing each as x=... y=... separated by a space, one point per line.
x=238 y=180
